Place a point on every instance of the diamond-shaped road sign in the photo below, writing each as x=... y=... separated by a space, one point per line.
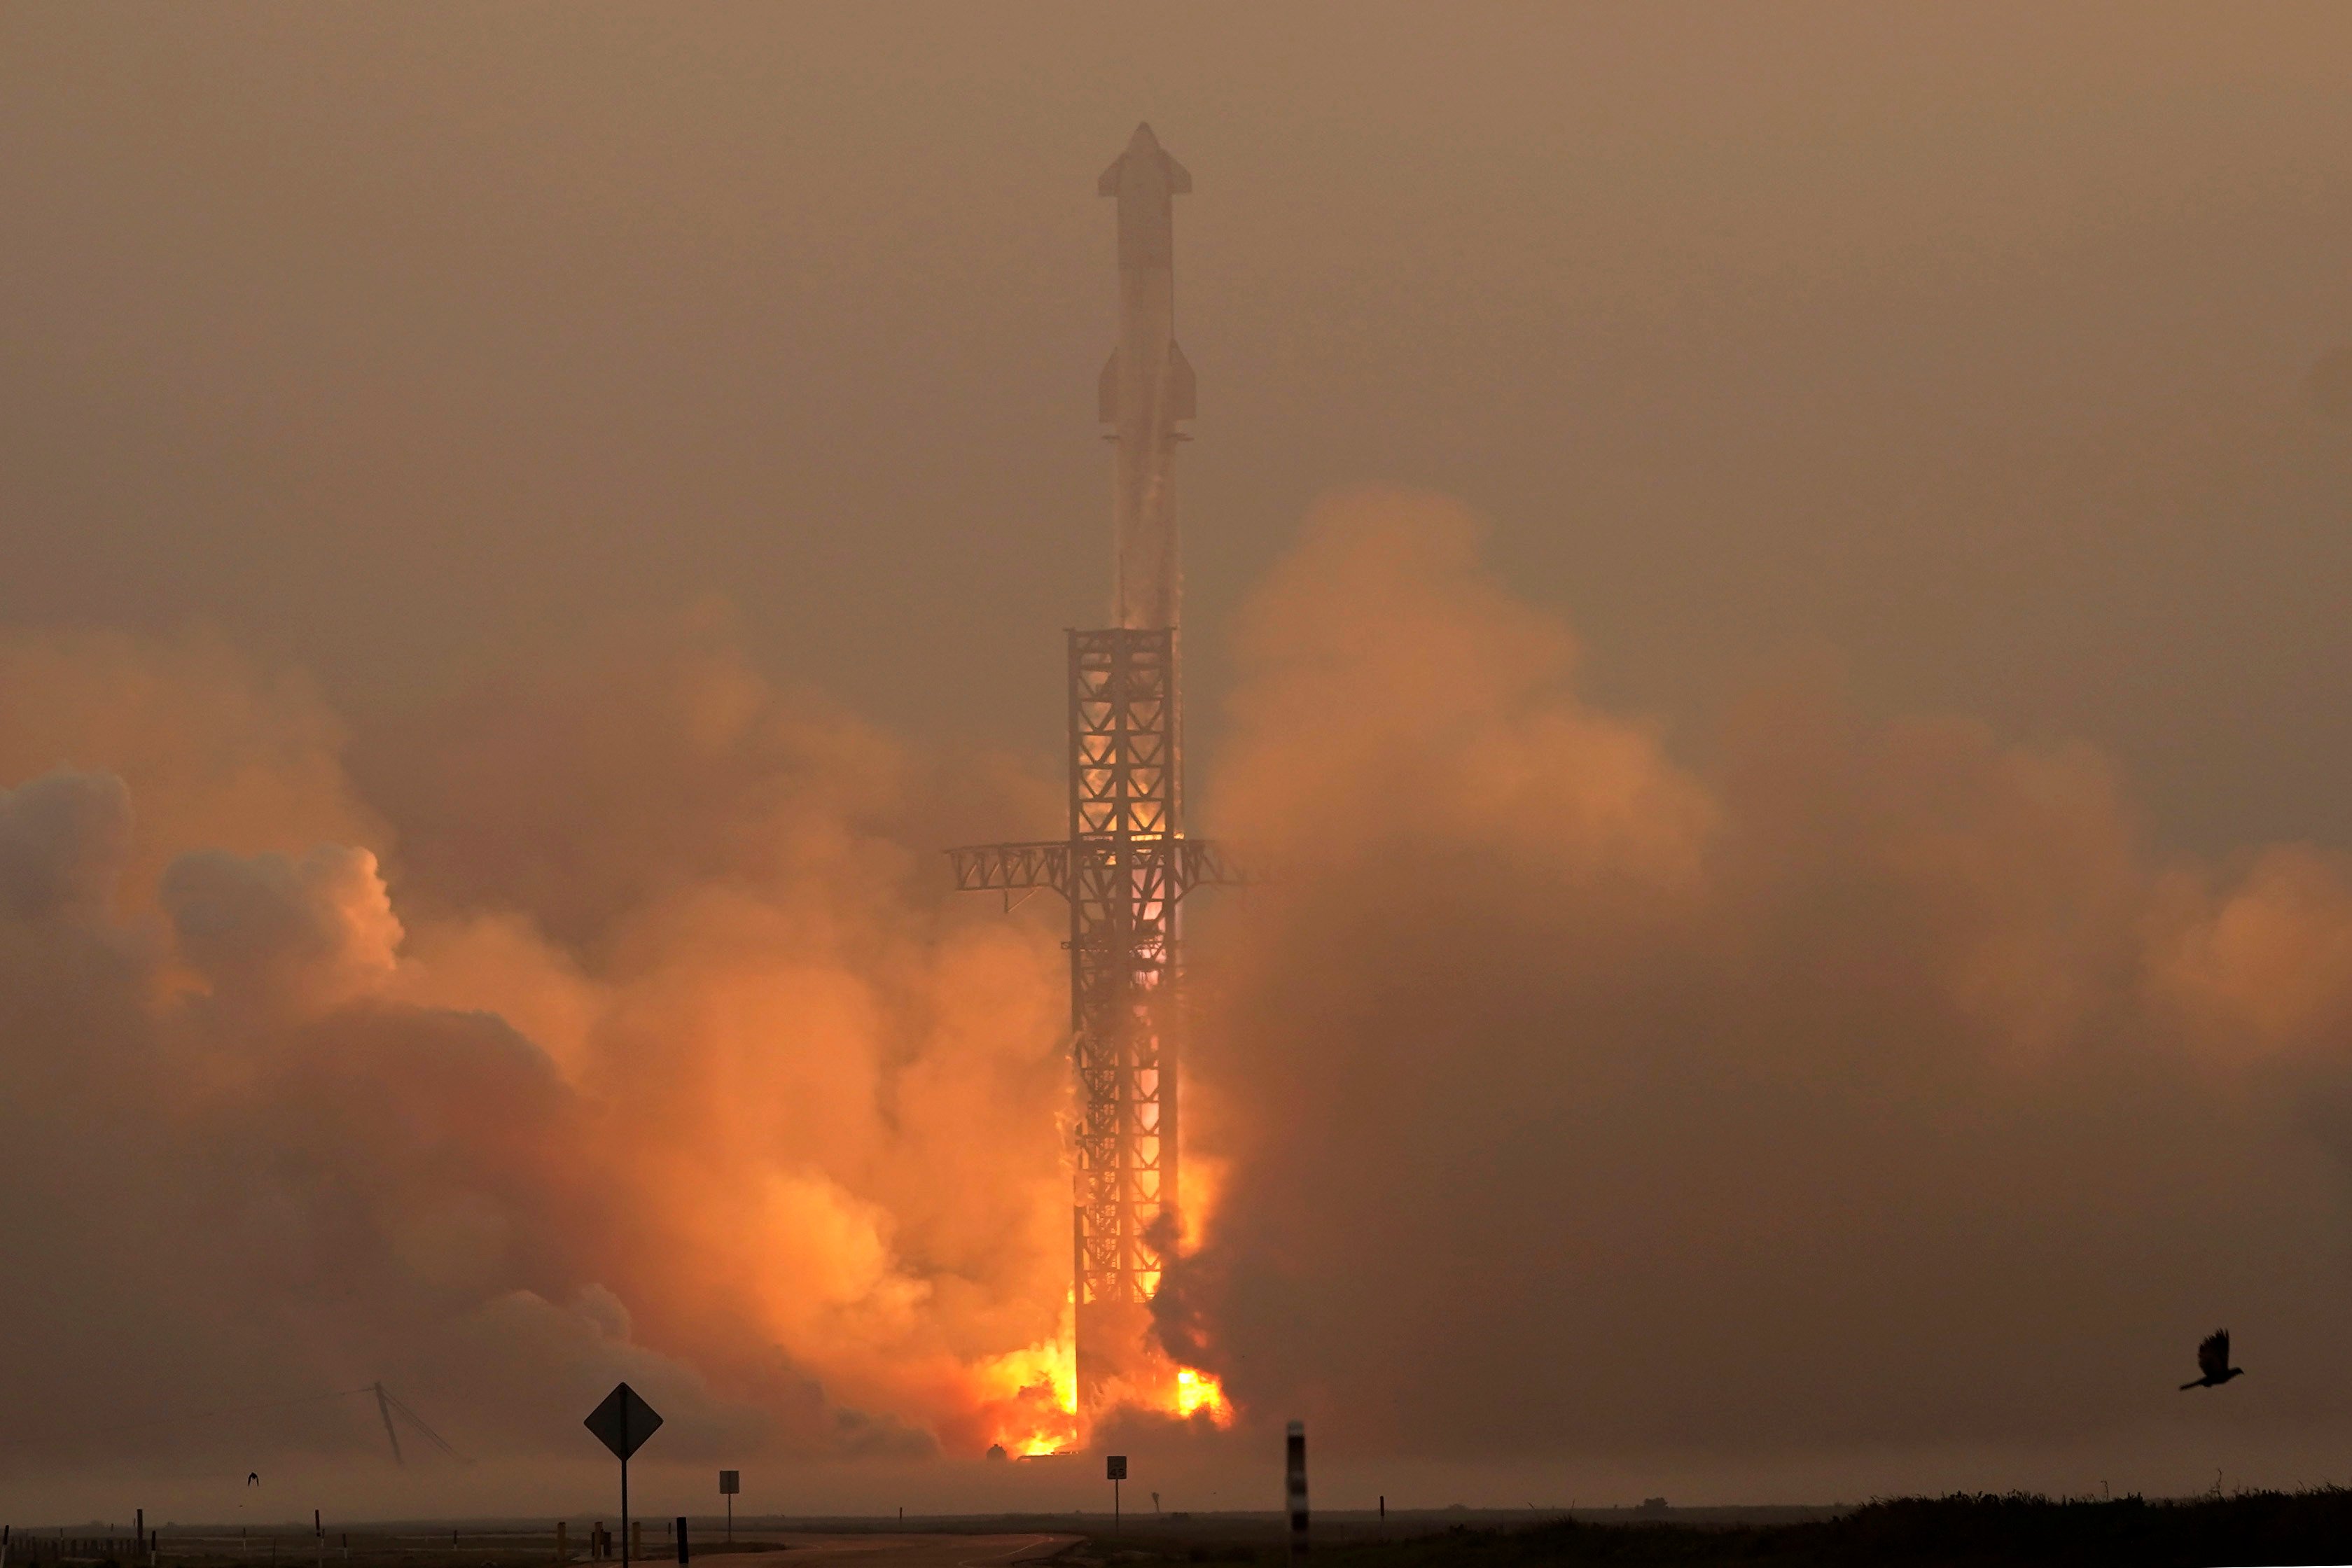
x=623 y=1422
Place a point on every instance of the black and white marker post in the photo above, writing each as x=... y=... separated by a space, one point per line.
x=622 y=1424
x=1295 y=1485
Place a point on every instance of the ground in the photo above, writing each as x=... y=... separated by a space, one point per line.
x=1961 y=1532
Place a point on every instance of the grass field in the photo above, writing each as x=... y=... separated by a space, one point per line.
x=2307 y=1527
x=2311 y=1527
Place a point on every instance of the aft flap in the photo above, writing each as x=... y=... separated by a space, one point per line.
x=1180 y=384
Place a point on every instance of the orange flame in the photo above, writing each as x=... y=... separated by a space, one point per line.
x=1199 y=1393
x=1033 y=1394
x=1034 y=1411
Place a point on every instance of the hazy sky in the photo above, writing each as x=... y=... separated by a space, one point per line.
x=1816 y=947
x=1968 y=344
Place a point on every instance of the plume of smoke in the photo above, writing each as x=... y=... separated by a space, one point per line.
x=686 y=1072
x=1880 y=1088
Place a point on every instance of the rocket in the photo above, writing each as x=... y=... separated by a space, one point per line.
x=1146 y=387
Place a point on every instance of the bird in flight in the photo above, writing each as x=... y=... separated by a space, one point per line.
x=2213 y=1361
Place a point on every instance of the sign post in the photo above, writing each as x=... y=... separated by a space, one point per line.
x=1114 y=1471
x=1295 y=1488
x=730 y=1483
x=622 y=1424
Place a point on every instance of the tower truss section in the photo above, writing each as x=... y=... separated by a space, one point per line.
x=1125 y=870
x=1126 y=963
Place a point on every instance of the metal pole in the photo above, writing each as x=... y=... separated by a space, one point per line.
x=1294 y=1484
x=1114 y=1508
x=625 y=1489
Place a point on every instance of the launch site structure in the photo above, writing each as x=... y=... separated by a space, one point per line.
x=1126 y=864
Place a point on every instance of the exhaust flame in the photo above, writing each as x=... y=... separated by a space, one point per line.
x=1034 y=1410
x=1198 y=1394
x=1031 y=1402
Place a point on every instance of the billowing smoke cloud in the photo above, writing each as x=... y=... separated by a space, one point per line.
x=1876 y=1088
x=677 y=1065
x=1879 y=1089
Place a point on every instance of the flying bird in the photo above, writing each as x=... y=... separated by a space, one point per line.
x=2213 y=1361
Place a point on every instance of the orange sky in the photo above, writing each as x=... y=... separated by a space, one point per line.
x=1967 y=342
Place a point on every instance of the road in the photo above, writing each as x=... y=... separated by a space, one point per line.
x=920 y=1550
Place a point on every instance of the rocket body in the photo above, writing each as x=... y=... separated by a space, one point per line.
x=1146 y=387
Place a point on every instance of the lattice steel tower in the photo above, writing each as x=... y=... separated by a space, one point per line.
x=1126 y=866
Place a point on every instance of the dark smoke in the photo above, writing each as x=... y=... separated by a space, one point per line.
x=1879 y=1089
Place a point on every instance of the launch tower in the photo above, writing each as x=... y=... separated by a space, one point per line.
x=1126 y=864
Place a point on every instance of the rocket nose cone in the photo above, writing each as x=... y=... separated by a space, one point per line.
x=1142 y=141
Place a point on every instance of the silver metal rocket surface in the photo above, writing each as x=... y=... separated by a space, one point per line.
x=1146 y=387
